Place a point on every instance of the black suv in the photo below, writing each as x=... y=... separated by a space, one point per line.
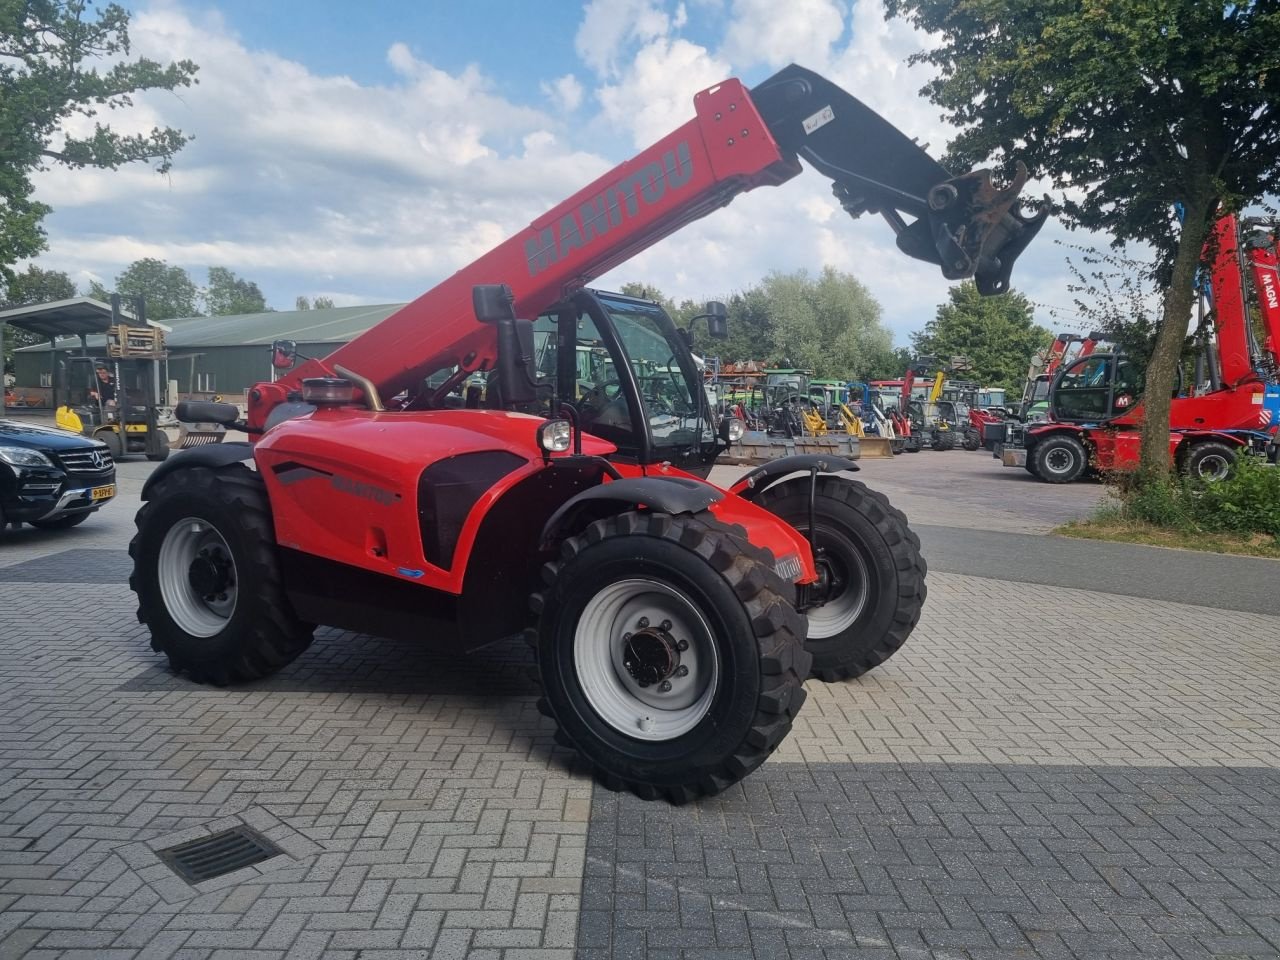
x=51 y=478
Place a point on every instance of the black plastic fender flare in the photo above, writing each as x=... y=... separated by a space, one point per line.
x=213 y=455
x=674 y=495
x=752 y=483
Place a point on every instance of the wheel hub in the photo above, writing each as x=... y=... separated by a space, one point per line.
x=209 y=573
x=651 y=656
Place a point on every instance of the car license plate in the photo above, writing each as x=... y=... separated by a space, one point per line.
x=103 y=493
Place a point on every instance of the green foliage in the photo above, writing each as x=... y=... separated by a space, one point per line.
x=829 y=325
x=1129 y=105
x=49 y=74
x=32 y=286
x=169 y=291
x=997 y=335
x=1245 y=503
x=228 y=294
x=319 y=303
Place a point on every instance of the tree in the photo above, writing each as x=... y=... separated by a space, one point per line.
x=169 y=291
x=1130 y=105
x=33 y=286
x=996 y=334
x=227 y=294
x=50 y=51
x=319 y=303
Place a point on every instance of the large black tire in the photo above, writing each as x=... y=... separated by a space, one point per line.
x=870 y=549
x=65 y=522
x=1058 y=459
x=738 y=607
x=162 y=452
x=972 y=441
x=1209 y=461
x=943 y=440
x=227 y=515
x=912 y=445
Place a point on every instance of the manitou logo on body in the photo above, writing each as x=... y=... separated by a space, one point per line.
x=366 y=490
x=597 y=217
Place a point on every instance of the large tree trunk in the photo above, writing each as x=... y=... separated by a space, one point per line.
x=1162 y=369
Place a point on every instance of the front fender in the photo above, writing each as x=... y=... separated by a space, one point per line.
x=208 y=456
x=673 y=495
x=753 y=482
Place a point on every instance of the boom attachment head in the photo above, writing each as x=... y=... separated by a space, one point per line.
x=966 y=224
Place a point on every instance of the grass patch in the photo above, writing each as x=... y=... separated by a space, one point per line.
x=1135 y=531
x=1239 y=515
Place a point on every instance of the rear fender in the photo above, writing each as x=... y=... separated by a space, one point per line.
x=209 y=456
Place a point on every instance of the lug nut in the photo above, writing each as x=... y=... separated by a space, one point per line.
x=626 y=636
x=666 y=624
x=682 y=671
x=664 y=686
x=644 y=622
x=682 y=645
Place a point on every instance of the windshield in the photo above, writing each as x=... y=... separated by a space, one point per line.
x=664 y=371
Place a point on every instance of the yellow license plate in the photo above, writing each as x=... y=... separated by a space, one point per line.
x=102 y=493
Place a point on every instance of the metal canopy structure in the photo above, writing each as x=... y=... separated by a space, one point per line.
x=78 y=317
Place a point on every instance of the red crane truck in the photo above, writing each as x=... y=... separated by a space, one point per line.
x=1095 y=406
x=669 y=617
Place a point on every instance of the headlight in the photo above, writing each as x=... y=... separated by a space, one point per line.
x=22 y=457
x=733 y=429
x=555 y=436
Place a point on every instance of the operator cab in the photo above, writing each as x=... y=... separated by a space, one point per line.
x=630 y=377
x=1095 y=389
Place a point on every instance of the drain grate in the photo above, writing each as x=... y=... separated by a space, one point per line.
x=218 y=853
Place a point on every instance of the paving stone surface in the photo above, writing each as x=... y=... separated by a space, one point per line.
x=935 y=860
x=1041 y=772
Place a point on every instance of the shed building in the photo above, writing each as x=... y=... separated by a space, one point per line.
x=223 y=355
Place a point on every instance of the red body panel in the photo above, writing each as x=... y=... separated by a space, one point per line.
x=344 y=483
x=1119 y=450
x=1229 y=313
x=1264 y=261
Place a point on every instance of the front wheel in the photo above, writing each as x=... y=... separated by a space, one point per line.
x=670 y=657
x=1210 y=461
x=207 y=578
x=1060 y=459
x=869 y=565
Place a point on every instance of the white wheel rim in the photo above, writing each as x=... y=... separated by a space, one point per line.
x=1059 y=460
x=1212 y=466
x=185 y=543
x=629 y=609
x=841 y=612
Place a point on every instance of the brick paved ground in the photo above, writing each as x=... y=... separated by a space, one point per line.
x=1101 y=784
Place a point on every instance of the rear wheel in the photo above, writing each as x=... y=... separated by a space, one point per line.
x=207 y=579
x=870 y=562
x=670 y=657
x=943 y=440
x=65 y=522
x=1060 y=459
x=1210 y=461
x=972 y=441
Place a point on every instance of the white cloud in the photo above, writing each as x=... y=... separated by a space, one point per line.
x=565 y=92
x=765 y=31
x=655 y=92
x=608 y=25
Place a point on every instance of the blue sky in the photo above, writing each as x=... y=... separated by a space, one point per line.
x=366 y=151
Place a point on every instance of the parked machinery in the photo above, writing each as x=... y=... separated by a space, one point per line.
x=1095 y=406
x=673 y=622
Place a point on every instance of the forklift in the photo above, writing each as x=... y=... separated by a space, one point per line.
x=118 y=400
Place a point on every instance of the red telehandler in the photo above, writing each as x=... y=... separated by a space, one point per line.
x=566 y=497
x=1095 y=410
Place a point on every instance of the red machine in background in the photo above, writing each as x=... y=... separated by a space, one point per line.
x=546 y=474
x=1095 y=405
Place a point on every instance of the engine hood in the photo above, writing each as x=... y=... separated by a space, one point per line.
x=34 y=436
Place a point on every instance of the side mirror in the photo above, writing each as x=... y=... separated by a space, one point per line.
x=284 y=354
x=493 y=302
x=717 y=320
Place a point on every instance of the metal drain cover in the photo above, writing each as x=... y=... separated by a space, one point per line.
x=218 y=853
